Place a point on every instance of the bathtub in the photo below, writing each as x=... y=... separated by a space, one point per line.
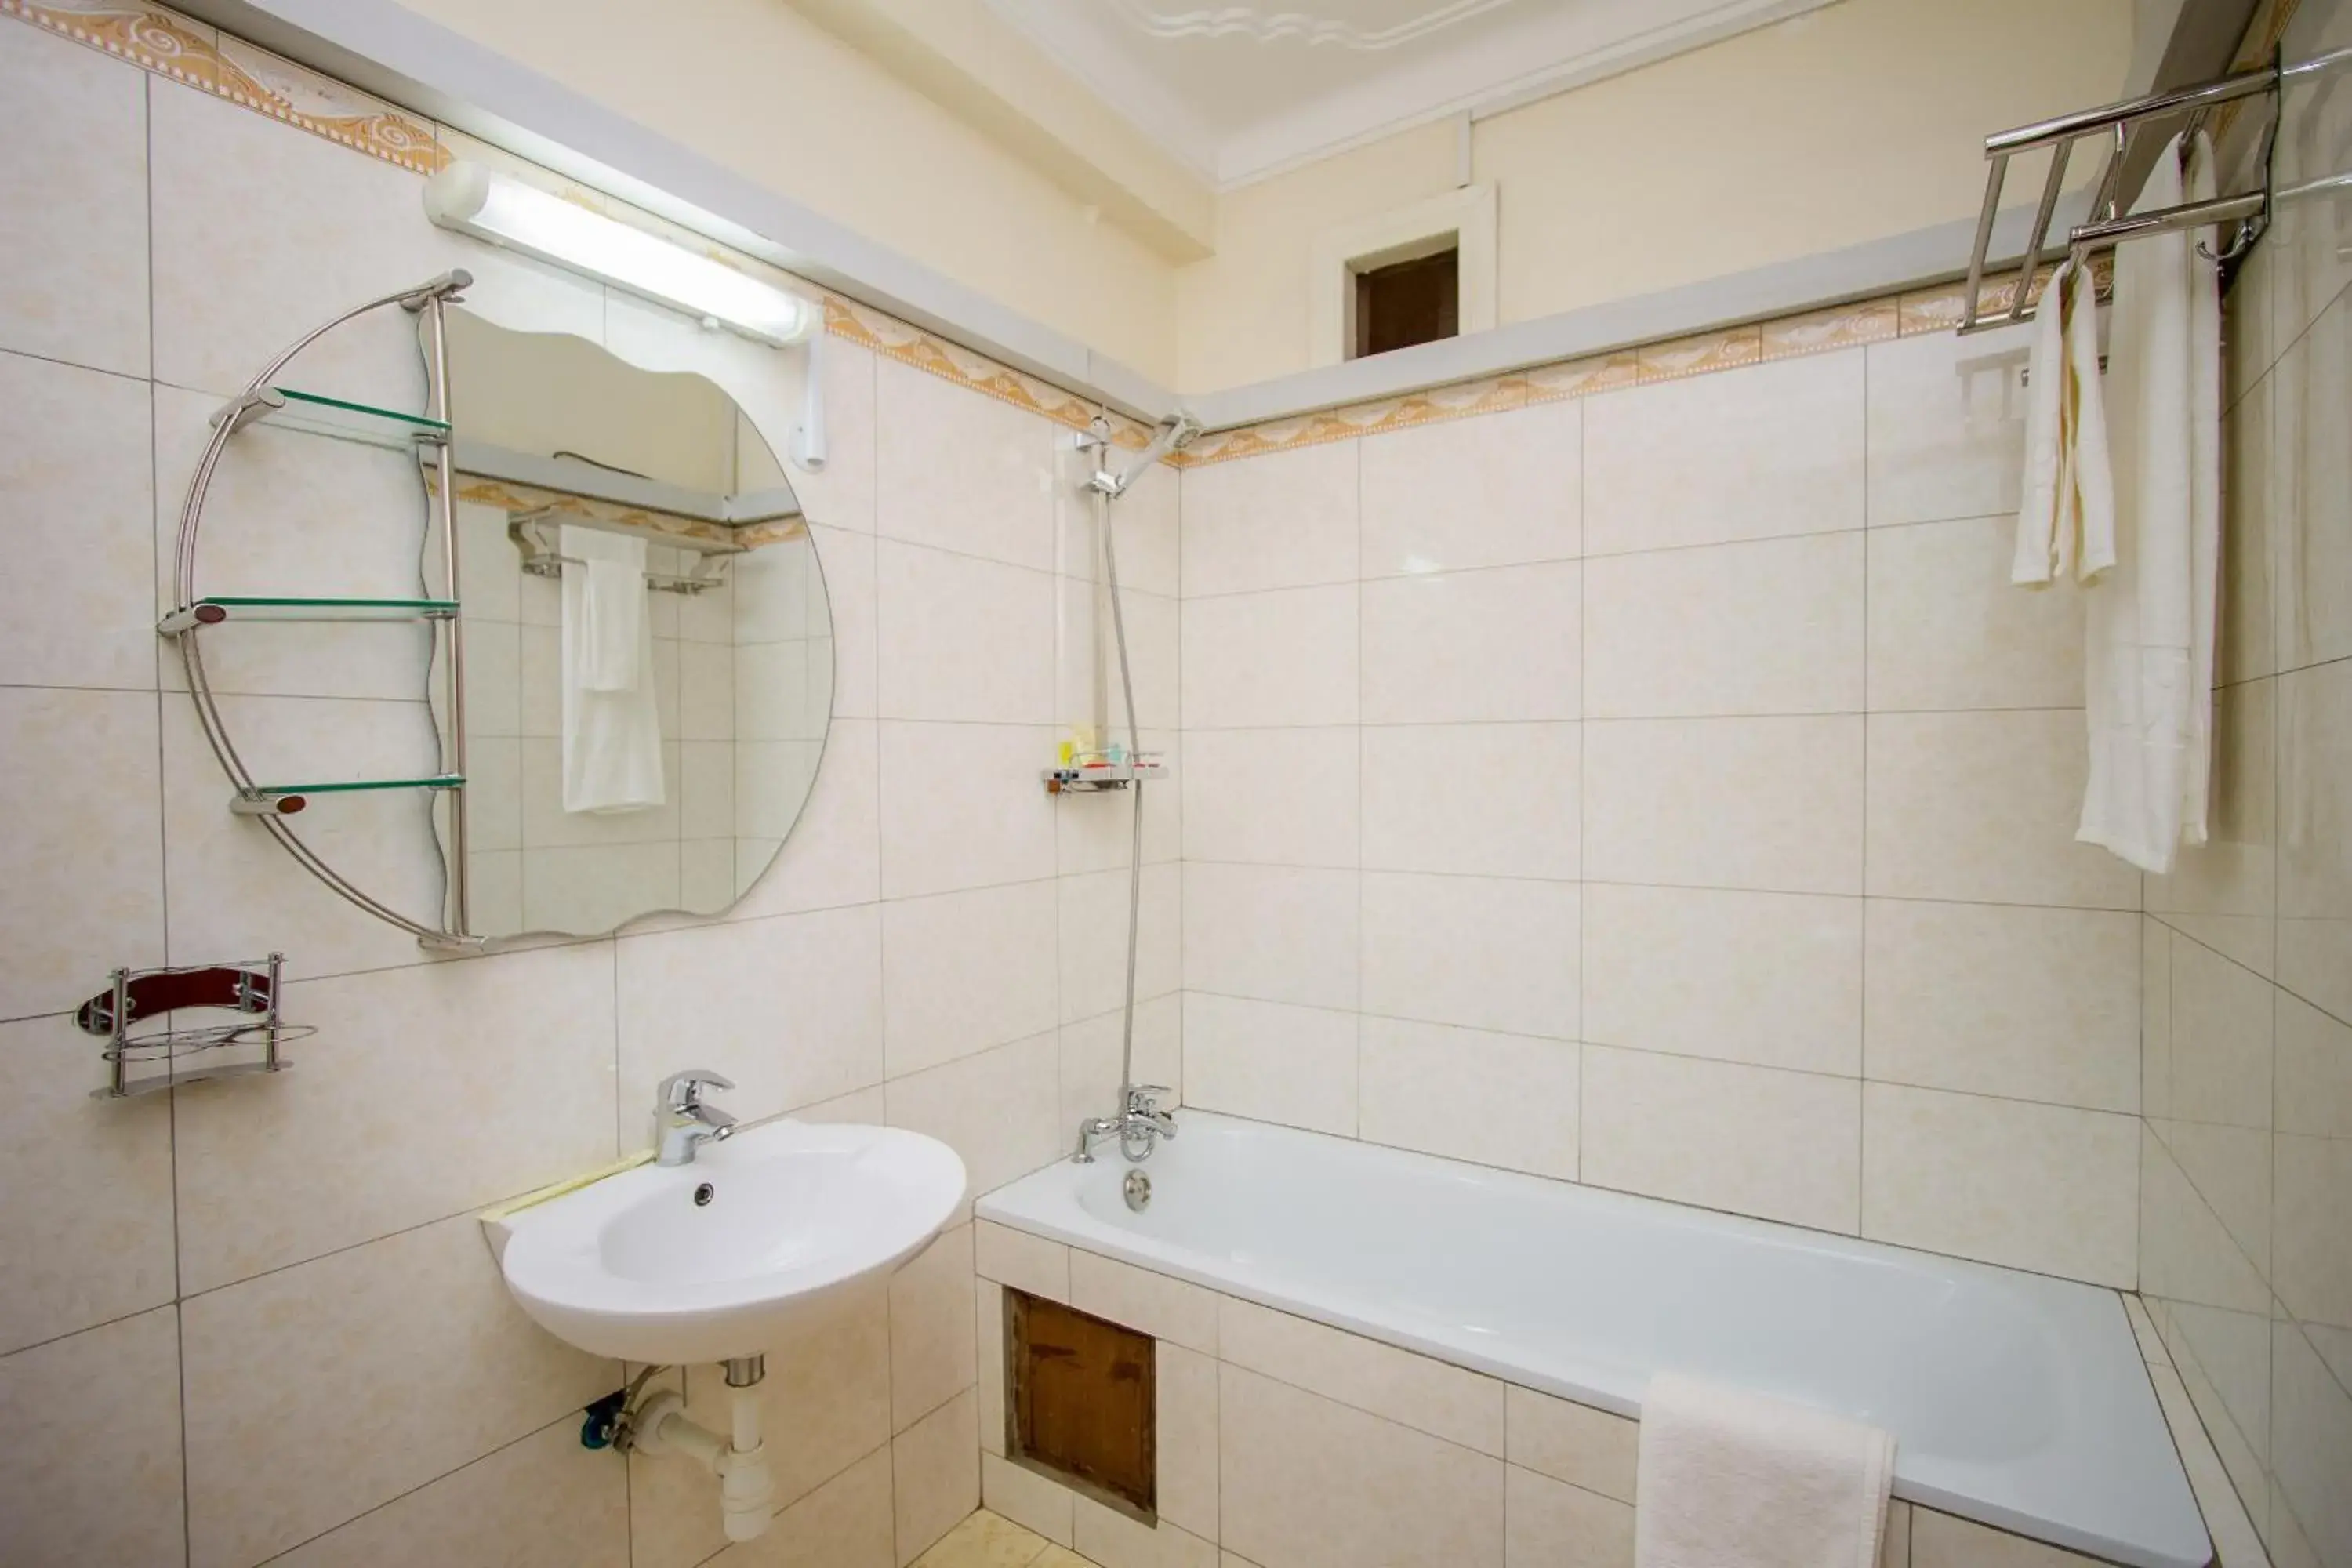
x=2018 y=1401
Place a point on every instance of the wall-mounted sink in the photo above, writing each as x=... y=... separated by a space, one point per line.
x=716 y=1259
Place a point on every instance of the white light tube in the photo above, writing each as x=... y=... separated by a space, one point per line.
x=472 y=200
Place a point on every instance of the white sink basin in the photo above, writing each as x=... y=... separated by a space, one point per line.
x=634 y=1267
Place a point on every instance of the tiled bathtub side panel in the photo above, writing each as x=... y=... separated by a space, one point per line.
x=1299 y=1446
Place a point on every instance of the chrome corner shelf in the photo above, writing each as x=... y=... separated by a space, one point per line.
x=285 y=800
x=214 y=608
x=1089 y=773
x=137 y=995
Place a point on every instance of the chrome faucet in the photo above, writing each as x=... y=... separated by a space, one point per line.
x=682 y=1124
x=1137 y=1128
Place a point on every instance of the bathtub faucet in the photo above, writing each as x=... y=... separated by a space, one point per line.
x=1137 y=1128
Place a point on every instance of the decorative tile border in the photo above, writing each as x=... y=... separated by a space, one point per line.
x=512 y=498
x=1882 y=319
x=895 y=339
x=325 y=107
x=189 y=51
x=148 y=36
x=167 y=44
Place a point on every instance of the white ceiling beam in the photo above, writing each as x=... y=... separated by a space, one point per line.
x=961 y=56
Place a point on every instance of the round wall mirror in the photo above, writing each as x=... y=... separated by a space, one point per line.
x=603 y=585
x=648 y=646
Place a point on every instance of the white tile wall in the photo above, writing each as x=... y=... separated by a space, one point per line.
x=1281 y=658
x=1493 y=491
x=1500 y=642
x=1759 y=454
x=1663 y=768
x=2247 y=1265
x=1481 y=951
x=1768 y=628
x=1271 y=1061
x=1773 y=979
x=1290 y=525
x=1275 y=933
x=1784 y=1145
x=83 y=137
x=279 y=1285
x=1470 y=1094
x=1489 y=800
x=1773 y=805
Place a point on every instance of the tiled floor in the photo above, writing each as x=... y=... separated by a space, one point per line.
x=990 y=1540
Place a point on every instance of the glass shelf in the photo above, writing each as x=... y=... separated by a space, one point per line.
x=311 y=413
x=284 y=800
x=214 y=608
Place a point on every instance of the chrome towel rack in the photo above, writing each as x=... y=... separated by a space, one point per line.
x=2109 y=223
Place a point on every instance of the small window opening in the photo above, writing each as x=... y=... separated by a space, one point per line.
x=1408 y=303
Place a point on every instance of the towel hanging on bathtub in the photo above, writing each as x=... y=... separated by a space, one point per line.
x=1728 y=1479
x=2067 y=526
x=2149 y=628
x=611 y=723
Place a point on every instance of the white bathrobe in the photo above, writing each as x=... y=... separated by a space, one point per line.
x=2150 y=621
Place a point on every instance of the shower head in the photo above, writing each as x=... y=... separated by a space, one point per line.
x=1172 y=436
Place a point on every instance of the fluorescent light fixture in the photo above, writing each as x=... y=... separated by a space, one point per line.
x=472 y=200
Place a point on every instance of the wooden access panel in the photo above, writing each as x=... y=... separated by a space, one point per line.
x=1081 y=1402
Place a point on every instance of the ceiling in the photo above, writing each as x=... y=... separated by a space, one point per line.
x=1240 y=91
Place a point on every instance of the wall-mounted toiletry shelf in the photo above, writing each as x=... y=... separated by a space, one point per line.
x=213 y=609
x=285 y=800
x=142 y=995
x=1093 y=770
x=432 y=597
x=314 y=414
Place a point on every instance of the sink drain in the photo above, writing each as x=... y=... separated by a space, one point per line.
x=1137 y=1191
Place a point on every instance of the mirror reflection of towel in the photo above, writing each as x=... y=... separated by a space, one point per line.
x=612 y=721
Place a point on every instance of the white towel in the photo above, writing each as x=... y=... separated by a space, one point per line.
x=612 y=723
x=1733 y=1479
x=2150 y=630
x=2066 y=526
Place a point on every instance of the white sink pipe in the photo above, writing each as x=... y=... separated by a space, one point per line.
x=746 y=1490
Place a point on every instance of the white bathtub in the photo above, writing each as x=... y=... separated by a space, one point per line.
x=2017 y=1400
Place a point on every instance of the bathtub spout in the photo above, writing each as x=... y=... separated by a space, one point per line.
x=1137 y=1128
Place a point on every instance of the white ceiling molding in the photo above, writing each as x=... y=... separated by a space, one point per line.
x=1267 y=26
x=1243 y=92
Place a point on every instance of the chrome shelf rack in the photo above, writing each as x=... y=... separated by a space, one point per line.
x=1091 y=771
x=2110 y=224
x=138 y=996
x=264 y=402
